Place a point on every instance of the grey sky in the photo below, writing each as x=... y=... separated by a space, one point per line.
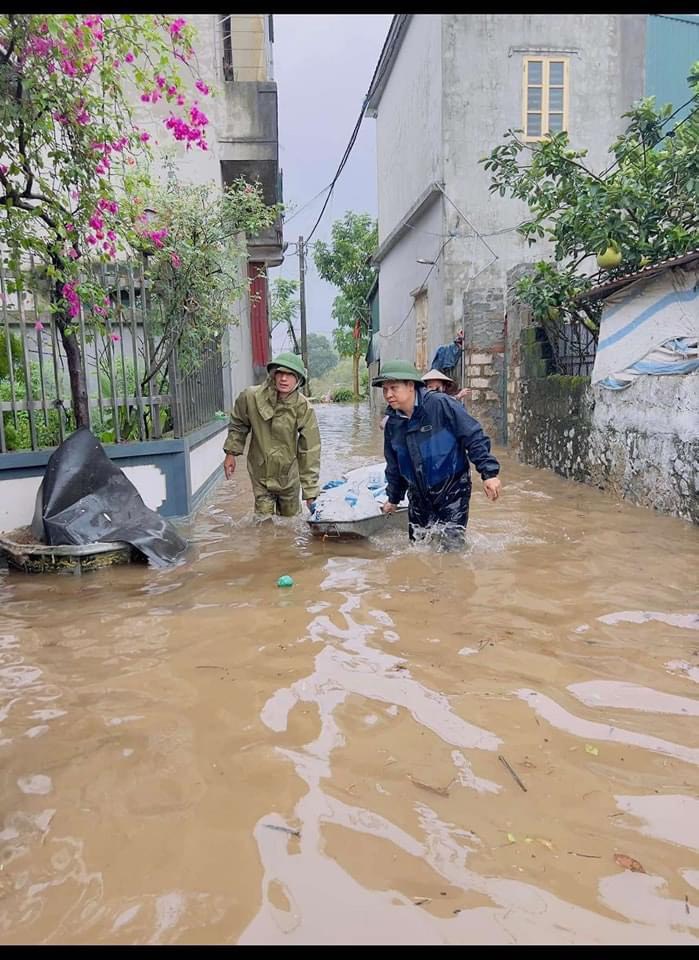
x=323 y=65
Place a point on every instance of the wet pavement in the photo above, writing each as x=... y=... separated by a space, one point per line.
x=499 y=746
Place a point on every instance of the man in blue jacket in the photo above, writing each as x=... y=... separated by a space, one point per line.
x=428 y=442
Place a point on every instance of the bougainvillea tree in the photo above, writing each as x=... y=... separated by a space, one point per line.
x=73 y=159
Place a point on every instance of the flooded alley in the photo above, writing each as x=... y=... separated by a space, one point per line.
x=498 y=746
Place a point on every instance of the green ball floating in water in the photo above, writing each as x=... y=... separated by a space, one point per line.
x=285 y=581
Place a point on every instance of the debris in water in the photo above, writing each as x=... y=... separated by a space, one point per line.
x=592 y=750
x=511 y=771
x=440 y=791
x=289 y=830
x=285 y=581
x=628 y=863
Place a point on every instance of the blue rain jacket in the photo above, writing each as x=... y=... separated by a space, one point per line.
x=435 y=444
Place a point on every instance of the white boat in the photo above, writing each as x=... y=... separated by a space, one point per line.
x=370 y=478
x=359 y=529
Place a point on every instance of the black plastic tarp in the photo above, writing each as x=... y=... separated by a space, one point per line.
x=85 y=498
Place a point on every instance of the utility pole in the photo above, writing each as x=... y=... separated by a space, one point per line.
x=302 y=286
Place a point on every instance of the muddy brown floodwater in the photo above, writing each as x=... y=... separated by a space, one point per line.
x=198 y=756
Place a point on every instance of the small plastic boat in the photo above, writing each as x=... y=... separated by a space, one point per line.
x=368 y=484
x=359 y=529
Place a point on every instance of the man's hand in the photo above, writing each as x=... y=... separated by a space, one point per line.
x=492 y=488
x=389 y=507
x=229 y=466
x=310 y=503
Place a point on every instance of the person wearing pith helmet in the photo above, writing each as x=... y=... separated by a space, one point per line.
x=436 y=380
x=429 y=443
x=284 y=454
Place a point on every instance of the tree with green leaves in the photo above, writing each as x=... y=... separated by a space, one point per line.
x=345 y=262
x=321 y=356
x=643 y=208
x=196 y=273
x=285 y=306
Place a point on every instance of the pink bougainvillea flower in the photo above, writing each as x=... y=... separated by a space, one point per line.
x=38 y=326
x=202 y=87
x=114 y=337
x=175 y=260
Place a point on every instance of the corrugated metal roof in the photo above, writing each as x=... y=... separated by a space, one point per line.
x=603 y=290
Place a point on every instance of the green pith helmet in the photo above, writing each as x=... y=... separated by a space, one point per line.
x=289 y=361
x=396 y=370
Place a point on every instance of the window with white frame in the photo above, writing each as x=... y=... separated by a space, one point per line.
x=545 y=107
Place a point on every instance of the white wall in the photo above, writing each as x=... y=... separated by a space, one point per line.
x=18 y=496
x=644 y=442
x=401 y=274
x=195 y=165
x=205 y=459
x=409 y=122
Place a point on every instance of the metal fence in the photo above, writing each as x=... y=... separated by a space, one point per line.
x=135 y=392
x=573 y=349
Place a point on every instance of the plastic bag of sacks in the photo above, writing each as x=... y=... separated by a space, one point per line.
x=347 y=501
x=373 y=477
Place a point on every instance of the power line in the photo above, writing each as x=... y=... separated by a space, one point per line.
x=375 y=80
x=669 y=133
x=388 y=336
x=345 y=158
x=667 y=16
x=464 y=217
x=307 y=204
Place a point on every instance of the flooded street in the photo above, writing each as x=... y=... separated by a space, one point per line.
x=405 y=747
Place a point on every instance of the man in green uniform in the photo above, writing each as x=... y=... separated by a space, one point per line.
x=284 y=452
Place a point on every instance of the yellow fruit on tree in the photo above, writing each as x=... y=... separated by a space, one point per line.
x=610 y=258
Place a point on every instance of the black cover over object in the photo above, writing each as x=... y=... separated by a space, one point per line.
x=85 y=498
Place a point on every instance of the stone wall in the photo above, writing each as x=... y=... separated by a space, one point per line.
x=641 y=443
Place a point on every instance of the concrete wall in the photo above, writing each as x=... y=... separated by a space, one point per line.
x=641 y=443
x=483 y=97
x=401 y=275
x=409 y=122
x=172 y=476
x=644 y=443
